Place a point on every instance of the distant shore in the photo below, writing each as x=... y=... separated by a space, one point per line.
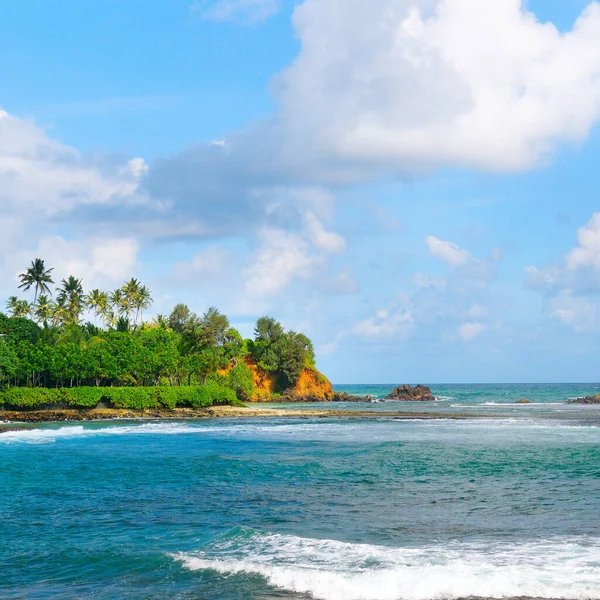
x=214 y=412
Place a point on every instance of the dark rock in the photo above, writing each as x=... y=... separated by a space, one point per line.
x=587 y=400
x=407 y=393
x=345 y=397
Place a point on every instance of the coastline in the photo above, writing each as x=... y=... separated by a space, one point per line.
x=213 y=412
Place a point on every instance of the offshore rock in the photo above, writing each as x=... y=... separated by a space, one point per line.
x=523 y=401
x=587 y=400
x=407 y=393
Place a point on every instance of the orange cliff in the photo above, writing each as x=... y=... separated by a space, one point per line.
x=312 y=386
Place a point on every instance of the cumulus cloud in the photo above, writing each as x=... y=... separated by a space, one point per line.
x=386 y=326
x=579 y=313
x=280 y=258
x=571 y=287
x=41 y=175
x=579 y=271
x=98 y=261
x=233 y=10
x=447 y=252
x=396 y=85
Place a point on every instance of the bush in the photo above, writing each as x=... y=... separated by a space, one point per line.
x=83 y=397
x=123 y=397
x=29 y=397
x=131 y=397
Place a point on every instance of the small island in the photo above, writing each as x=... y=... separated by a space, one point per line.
x=71 y=349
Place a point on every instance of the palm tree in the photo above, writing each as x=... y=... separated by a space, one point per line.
x=131 y=291
x=143 y=302
x=98 y=302
x=18 y=308
x=117 y=302
x=43 y=309
x=59 y=312
x=38 y=277
x=71 y=295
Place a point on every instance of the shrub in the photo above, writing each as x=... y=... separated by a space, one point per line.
x=29 y=397
x=83 y=397
x=131 y=397
x=123 y=397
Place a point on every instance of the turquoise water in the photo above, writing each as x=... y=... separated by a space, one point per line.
x=351 y=509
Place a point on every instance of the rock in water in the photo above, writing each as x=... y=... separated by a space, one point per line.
x=407 y=393
x=587 y=400
x=523 y=401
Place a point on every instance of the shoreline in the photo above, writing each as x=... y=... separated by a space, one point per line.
x=214 y=412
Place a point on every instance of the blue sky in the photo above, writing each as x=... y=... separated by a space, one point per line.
x=414 y=184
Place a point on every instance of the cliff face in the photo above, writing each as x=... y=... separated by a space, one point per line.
x=311 y=386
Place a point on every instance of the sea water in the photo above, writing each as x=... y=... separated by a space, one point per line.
x=506 y=505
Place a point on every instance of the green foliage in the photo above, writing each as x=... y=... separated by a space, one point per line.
x=125 y=397
x=18 y=329
x=116 y=357
x=133 y=397
x=30 y=398
x=209 y=394
x=285 y=354
x=240 y=380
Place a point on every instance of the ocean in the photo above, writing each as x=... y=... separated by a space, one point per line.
x=504 y=506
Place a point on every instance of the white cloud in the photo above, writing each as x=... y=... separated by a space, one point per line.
x=448 y=252
x=232 y=10
x=280 y=258
x=579 y=313
x=571 y=287
x=212 y=261
x=469 y=331
x=387 y=325
x=579 y=271
x=587 y=254
x=40 y=175
x=409 y=84
x=329 y=241
x=98 y=261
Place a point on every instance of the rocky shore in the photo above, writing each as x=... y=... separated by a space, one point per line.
x=216 y=412
x=587 y=400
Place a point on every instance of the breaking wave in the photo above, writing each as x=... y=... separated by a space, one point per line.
x=332 y=570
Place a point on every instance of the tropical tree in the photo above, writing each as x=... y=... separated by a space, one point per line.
x=43 y=309
x=131 y=291
x=18 y=308
x=97 y=301
x=143 y=302
x=71 y=295
x=59 y=312
x=38 y=277
x=117 y=303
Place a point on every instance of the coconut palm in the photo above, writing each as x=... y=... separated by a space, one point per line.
x=18 y=308
x=117 y=302
x=98 y=302
x=43 y=309
x=131 y=290
x=71 y=295
x=143 y=302
x=59 y=312
x=38 y=277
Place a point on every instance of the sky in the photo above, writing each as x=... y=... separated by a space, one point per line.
x=414 y=184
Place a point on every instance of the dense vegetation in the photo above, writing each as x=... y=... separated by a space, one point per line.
x=84 y=348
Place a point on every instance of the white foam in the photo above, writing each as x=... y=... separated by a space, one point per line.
x=46 y=435
x=331 y=570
